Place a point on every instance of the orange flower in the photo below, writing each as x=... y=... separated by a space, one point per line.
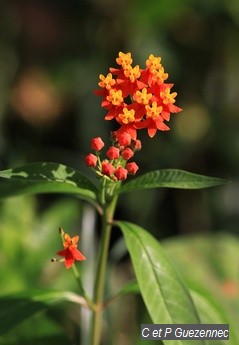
x=70 y=251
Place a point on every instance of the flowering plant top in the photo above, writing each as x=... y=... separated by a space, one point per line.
x=137 y=98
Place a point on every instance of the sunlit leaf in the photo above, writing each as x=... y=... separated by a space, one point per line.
x=46 y=178
x=171 y=178
x=165 y=295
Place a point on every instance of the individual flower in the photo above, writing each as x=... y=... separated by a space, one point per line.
x=154 y=120
x=97 y=144
x=115 y=97
x=142 y=97
x=106 y=82
x=127 y=116
x=132 y=73
x=70 y=251
x=124 y=59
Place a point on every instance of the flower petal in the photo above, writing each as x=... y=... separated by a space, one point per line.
x=69 y=258
x=77 y=254
x=62 y=252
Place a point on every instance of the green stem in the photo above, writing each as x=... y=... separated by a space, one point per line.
x=107 y=219
x=82 y=292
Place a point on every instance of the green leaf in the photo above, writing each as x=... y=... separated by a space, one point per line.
x=208 y=261
x=131 y=287
x=211 y=313
x=165 y=295
x=18 y=307
x=46 y=178
x=59 y=339
x=208 y=311
x=171 y=178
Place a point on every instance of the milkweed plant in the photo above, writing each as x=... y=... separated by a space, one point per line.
x=136 y=99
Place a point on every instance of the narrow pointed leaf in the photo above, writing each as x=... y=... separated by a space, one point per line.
x=46 y=178
x=171 y=178
x=18 y=307
x=210 y=314
x=165 y=295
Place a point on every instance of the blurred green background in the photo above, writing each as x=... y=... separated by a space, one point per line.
x=51 y=54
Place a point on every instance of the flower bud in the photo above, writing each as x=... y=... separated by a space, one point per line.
x=113 y=153
x=121 y=173
x=91 y=160
x=132 y=168
x=124 y=139
x=97 y=144
x=127 y=153
x=136 y=145
x=107 y=168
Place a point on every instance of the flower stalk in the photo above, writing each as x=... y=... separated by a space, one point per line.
x=107 y=219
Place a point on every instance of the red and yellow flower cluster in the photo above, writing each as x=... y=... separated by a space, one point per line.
x=116 y=166
x=137 y=98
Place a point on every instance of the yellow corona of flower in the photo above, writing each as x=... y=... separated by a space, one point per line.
x=167 y=97
x=127 y=116
x=124 y=60
x=159 y=76
x=153 y=111
x=132 y=73
x=142 y=97
x=106 y=82
x=153 y=63
x=115 y=97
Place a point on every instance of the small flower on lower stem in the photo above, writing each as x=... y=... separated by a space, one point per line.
x=70 y=251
